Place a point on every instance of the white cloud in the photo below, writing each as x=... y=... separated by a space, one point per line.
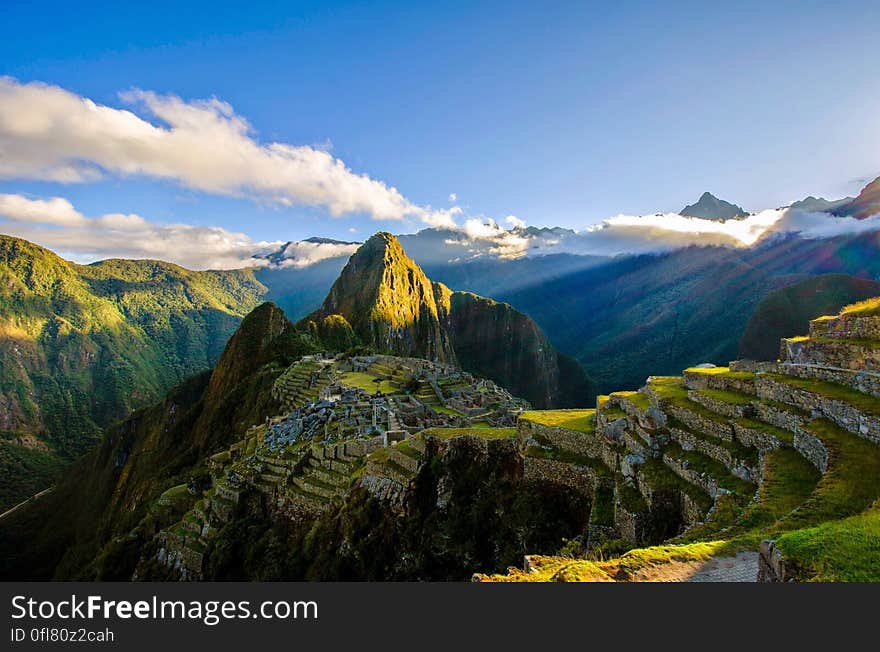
x=56 y=224
x=303 y=253
x=49 y=133
x=515 y=222
x=57 y=211
x=453 y=197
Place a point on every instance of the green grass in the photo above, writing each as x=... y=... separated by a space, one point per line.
x=722 y=371
x=704 y=464
x=864 y=402
x=579 y=420
x=367 y=382
x=726 y=396
x=638 y=399
x=673 y=390
x=560 y=455
x=661 y=477
x=613 y=413
x=406 y=448
x=838 y=551
x=789 y=479
x=709 y=371
x=442 y=409
x=737 y=450
x=485 y=433
x=866 y=308
x=781 y=434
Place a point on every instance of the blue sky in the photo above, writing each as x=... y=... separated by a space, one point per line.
x=560 y=114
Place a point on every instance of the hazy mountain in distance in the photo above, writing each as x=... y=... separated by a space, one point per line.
x=709 y=207
x=863 y=206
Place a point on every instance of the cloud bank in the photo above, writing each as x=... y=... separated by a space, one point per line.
x=56 y=224
x=638 y=234
x=49 y=133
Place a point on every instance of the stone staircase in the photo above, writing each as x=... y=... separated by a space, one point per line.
x=302 y=382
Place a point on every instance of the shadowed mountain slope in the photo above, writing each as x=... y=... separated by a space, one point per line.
x=789 y=310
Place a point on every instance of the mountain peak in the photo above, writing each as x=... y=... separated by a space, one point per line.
x=709 y=207
x=389 y=301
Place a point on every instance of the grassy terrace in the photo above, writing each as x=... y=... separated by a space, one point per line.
x=739 y=452
x=673 y=390
x=726 y=396
x=866 y=308
x=559 y=455
x=794 y=505
x=849 y=340
x=837 y=551
x=864 y=402
x=721 y=371
x=579 y=420
x=706 y=465
x=485 y=433
x=661 y=477
x=406 y=448
x=367 y=382
x=781 y=434
x=639 y=400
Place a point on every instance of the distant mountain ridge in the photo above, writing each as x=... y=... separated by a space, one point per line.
x=865 y=205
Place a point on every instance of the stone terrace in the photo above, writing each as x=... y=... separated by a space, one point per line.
x=731 y=454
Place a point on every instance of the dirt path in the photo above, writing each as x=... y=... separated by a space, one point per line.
x=25 y=502
x=741 y=568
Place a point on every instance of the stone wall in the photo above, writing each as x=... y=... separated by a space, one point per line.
x=720 y=407
x=771 y=564
x=832 y=352
x=847 y=326
x=812 y=449
x=845 y=415
x=579 y=478
x=863 y=381
x=696 y=421
x=704 y=482
x=738 y=467
x=579 y=443
x=755 y=438
x=779 y=416
x=696 y=380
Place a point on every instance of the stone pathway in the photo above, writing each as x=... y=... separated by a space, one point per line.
x=741 y=568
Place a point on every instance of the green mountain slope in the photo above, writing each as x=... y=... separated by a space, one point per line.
x=790 y=310
x=82 y=346
x=111 y=496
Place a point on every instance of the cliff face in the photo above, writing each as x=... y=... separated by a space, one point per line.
x=389 y=302
x=494 y=340
x=393 y=306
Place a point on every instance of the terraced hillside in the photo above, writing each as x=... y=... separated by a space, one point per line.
x=765 y=471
